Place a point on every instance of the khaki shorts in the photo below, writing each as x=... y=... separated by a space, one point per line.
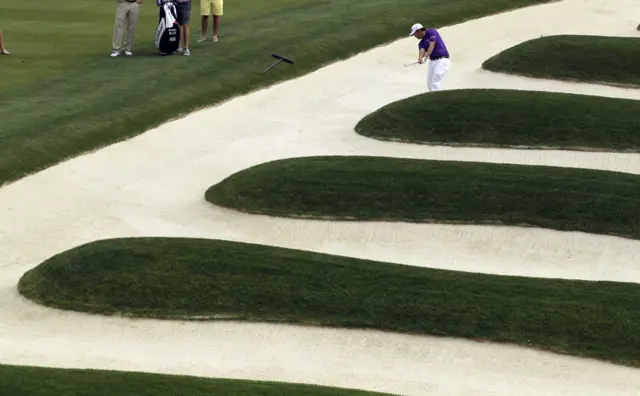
x=211 y=7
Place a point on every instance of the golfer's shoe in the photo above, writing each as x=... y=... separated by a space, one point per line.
x=187 y=52
x=179 y=50
x=128 y=53
x=202 y=39
x=115 y=53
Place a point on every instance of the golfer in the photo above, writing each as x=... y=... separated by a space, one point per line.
x=432 y=46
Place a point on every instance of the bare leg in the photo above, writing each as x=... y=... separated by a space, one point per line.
x=2 y=49
x=205 y=19
x=185 y=33
x=216 y=27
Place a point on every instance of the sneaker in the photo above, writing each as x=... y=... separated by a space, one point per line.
x=202 y=39
x=179 y=50
x=115 y=53
x=127 y=53
x=215 y=39
x=187 y=52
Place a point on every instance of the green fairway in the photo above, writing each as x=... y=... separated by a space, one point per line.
x=566 y=57
x=178 y=278
x=509 y=118
x=61 y=94
x=40 y=381
x=394 y=189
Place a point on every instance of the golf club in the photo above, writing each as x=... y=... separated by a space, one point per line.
x=279 y=58
x=414 y=63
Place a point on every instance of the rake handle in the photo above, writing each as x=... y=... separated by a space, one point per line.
x=275 y=63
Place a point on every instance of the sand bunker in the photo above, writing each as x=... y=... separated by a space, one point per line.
x=154 y=185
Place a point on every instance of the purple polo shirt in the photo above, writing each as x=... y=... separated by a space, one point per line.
x=439 y=50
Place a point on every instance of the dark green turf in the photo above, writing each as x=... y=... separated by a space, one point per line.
x=396 y=189
x=592 y=59
x=509 y=118
x=61 y=94
x=40 y=381
x=174 y=278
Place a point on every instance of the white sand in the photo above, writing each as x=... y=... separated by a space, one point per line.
x=154 y=185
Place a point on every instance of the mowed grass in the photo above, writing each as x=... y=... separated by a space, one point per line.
x=413 y=190
x=591 y=59
x=212 y=279
x=62 y=95
x=40 y=381
x=509 y=118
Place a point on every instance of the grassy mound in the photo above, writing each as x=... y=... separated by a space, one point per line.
x=509 y=118
x=564 y=57
x=394 y=189
x=177 y=278
x=39 y=381
x=57 y=88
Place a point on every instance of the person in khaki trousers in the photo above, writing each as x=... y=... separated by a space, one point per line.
x=127 y=15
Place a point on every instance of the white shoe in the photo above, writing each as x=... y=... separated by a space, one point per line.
x=179 y=50
x=187 y=52
x=128 y=53
x=115 y=53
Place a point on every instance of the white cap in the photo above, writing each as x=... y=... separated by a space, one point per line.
x=415 y=28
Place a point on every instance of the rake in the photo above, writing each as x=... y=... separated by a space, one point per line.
x=279 y=58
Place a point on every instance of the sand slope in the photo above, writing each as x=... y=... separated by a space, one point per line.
x=154 y=185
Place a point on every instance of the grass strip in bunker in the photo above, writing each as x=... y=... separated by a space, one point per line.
x=41 y=381
x=212 y=279
x=509 y=118
x=590 y=59
x=414 y=190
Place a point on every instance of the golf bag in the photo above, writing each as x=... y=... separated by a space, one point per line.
x=168 y=31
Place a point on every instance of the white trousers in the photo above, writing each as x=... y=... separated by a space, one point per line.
x=437 y=70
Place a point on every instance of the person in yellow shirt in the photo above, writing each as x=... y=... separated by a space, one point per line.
x=210 y=7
